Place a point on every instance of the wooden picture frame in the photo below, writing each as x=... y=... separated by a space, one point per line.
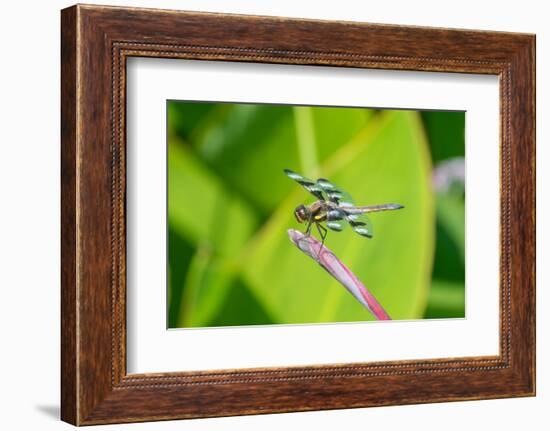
x=95 y=43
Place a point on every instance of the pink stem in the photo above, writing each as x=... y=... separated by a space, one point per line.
x=328 y=260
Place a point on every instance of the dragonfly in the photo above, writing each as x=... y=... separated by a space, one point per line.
x=334 y=208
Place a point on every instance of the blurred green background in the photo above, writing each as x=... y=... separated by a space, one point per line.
x=230 y=261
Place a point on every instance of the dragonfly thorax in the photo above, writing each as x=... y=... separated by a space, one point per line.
x=315 y=212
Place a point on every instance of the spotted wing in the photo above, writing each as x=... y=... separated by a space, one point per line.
x=310 y=185
x=334 y=193
x=360 y=223
x=336 y=220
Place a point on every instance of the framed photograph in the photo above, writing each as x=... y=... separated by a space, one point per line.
x=264 y=215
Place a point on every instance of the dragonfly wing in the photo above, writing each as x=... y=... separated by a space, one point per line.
x=334 y=193
x=360 y=223
x=336 y=220
x=310 y=185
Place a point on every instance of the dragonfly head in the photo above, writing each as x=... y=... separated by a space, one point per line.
x=301 y=213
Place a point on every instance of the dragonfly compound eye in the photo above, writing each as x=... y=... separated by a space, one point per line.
x=300 y=213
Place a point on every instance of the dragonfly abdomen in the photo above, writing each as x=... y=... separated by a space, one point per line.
x=372 y=208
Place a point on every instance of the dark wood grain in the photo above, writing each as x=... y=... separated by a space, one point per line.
x=68 y=217
x=96 y=41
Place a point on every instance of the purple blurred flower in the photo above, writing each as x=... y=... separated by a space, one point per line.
x=447 y=173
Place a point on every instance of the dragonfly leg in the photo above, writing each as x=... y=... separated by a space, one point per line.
x=323 y=233
x=309 y=224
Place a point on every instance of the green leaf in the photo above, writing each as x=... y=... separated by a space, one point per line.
x=320 y=131
x=450 y=213
x=305 y=132
x=183 y=118
x=180 y=254
x=240 y=307
x=386 y=162
x=202 y=212
x=446 y=300
x=201 y=208
x=206 y=286
x=449 y=261
x=215 y=295
x=244 y=141
x=335 y=127
x=445 y=132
